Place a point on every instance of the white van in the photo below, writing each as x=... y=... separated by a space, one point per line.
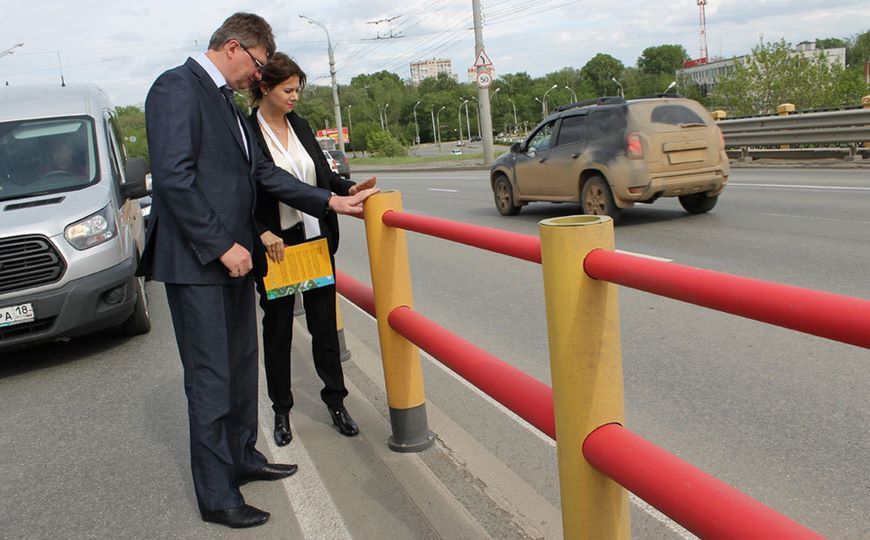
x=70 y=228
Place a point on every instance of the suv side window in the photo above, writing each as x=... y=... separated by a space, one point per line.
x=675 y=115
x=542 y=139
x=573 y=130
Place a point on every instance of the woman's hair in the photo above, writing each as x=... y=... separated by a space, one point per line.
x=280 y=68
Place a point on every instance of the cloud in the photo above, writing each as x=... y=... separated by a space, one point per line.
x=519 y=35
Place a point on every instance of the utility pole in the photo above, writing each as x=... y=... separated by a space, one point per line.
x=482 y=93
x=334 y=83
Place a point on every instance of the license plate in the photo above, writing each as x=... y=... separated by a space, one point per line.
x=686 y=156
x=21 y=313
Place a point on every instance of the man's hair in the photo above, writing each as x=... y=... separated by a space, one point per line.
x=280 y=68
x=251 y=31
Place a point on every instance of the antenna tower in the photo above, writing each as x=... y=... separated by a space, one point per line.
x=703 y=27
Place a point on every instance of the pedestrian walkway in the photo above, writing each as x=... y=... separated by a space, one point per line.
x=358 y=488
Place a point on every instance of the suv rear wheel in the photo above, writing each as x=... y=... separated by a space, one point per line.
x=504 y=197
x=699 y=203
x=596 y=199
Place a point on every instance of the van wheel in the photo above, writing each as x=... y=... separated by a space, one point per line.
x=504 y=197
x=699 y=203
x=596 y=199
x=139 y=321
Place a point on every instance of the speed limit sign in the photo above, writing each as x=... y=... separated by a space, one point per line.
x=484 y=79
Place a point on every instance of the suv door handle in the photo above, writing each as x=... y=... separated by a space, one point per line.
x=541 y=160
x=575 y=155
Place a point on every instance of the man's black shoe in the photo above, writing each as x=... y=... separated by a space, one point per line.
x=346 y=425
x=271 y=471
x=237 y=518
x=282 y=433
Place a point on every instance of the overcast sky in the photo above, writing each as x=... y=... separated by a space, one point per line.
x=122 y=46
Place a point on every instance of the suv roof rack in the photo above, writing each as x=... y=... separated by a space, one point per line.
x=654 y=96
x=606 y=100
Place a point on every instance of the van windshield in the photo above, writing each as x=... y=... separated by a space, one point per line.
x=46 y=156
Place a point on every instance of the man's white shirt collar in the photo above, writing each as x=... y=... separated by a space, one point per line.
x=203 y=60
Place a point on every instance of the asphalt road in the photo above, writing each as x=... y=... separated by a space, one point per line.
x=780 y=415
x=93 y=433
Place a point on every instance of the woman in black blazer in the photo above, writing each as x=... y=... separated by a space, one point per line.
x=288 y=140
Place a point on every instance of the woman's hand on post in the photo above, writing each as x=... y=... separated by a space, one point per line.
x=366 y=184
x=274 y=246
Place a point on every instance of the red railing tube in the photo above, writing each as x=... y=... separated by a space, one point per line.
x=356 y=291
x=526 y=396
x=521 y=246
x=832 y=316
x=699 y=502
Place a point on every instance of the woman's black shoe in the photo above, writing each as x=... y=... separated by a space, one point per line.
x=346 y=425
x=283 y=436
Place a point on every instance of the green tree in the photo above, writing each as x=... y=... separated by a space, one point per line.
x=131 y=119
x=831 y=43
x=858 y=50
x=599 y=70
x=773 y=74
x=662 y=59
x=382 y=144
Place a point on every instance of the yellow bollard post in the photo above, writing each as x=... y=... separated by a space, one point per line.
x=586 y=368
x=784 y=110
x=339 y=327
x=391 y=281
x=718 y=114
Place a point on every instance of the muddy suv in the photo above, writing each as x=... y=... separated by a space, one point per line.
x=610 y=153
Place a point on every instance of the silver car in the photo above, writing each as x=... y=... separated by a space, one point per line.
x=70 y=229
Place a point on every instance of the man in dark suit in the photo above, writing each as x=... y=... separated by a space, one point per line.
x=203 y=244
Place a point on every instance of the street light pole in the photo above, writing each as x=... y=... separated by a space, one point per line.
x=10 y=50
x=438 y=123
x=459 y=117
x=432 y=114
x=386 y=124
x=416 y=126
x=545 y=98
x=516 y=124
x=335 y=102
x=543 y=114
x=573 y=95
x=467 y=122
x=478 y=117
x=621 y=91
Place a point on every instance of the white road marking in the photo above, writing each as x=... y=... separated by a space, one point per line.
x=800 y=186
x=637 y=501
x=447 y=190
x=311 y=503
x=818 y=218
x=653 y=257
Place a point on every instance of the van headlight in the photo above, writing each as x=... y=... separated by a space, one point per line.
x=92 y=231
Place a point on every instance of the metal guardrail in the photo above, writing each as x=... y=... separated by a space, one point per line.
x=834 y=127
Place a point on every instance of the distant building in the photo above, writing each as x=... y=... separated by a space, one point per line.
x=705 y=72
x=432 y=68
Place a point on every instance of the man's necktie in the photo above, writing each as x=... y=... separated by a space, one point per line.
x=228 y=94
x=234 y=112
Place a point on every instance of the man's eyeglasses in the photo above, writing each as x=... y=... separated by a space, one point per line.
x=259 y=65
